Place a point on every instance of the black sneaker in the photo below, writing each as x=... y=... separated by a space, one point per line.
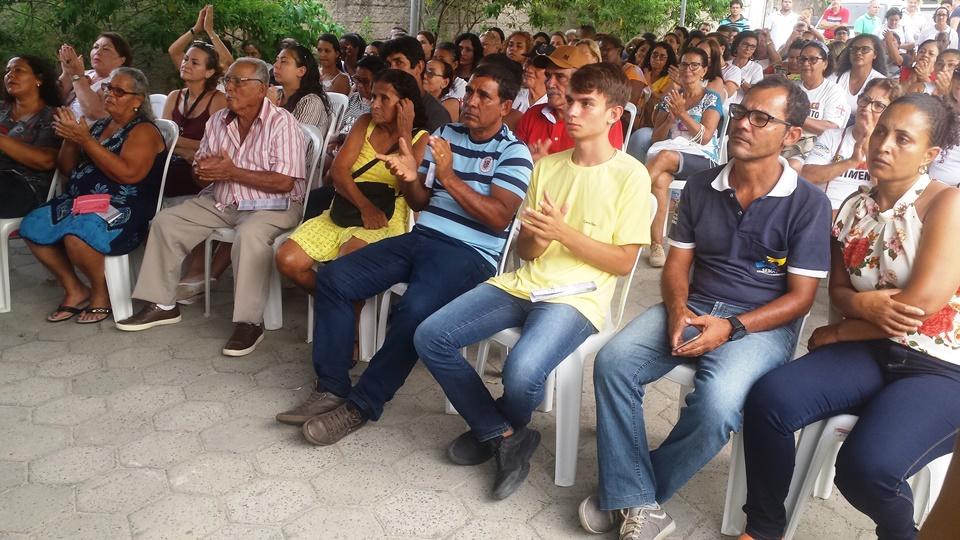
x=467 y=450
x=513 y=461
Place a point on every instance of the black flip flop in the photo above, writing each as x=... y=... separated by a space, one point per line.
x=72 y=310
x=105 y=311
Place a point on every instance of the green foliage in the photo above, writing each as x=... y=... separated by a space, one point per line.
x=39 y=26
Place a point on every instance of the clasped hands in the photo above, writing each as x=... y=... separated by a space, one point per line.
x=216 y=168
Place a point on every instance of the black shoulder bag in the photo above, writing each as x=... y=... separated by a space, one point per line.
x=345 y=214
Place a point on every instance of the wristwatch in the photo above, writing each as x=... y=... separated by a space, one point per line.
x=76 y=78
x=738 y=330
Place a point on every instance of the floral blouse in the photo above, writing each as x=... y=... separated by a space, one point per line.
x=879 y=250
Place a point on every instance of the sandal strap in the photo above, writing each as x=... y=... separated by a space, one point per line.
x=99 y=310
x=69 y=309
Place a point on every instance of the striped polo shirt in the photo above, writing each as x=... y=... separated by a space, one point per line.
x=501 y=161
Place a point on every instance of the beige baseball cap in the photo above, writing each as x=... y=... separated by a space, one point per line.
x=570 y=56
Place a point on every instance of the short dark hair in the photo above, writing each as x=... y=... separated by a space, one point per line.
x=605 y=79
x=121 y=45
x=431 y=39
x=450 y=47
x=408 y=46
x=541 y=35
x=943 y=124
x=614 y=41
x=508 y=83
x=798 y=105
x=891 y=12
x=407 y=87
x=499 y=32
x=728 y=28
x=736 y=2
x=841 y=28
x=372 y=63
x=505 y=62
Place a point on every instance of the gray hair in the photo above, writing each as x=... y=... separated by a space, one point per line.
x=140 y=86
x=263 y=68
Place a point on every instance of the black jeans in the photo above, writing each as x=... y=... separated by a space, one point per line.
x=909 y=408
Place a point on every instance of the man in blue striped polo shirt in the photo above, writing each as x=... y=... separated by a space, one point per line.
x=473 y=178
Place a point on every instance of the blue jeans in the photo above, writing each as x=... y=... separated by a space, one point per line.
x=640 y=141
x=630 y=474
x=436 y=267
x=909 y=409
x=550 y=333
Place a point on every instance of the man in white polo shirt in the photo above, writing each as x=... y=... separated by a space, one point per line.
x=781 y=23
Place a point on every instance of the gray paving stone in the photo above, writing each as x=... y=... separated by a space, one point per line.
x=113 y=428
x=354 y=483
x=13 y=372
x=336 y=523
x=559 y=520
x=72 y=465
x=476 y=491
x=87 y=527
x=267 y=402
x=23 y=443
x=421 y=512
x=145 y=399
x=137 y=357
x=296 y=458
x=431 y=469
x=269 y=500
x=219 y=387
x=121 y=491
x=26 y=508
x=245 y=434
x=160 y=449
x=68 y=332
x=12 y=473
x=68 y=365
x=239 y=531
x=105 y=381
x=70 y=410
x=34 y=352
x=481 y=529
x=178 y=516
x=209 y=473
x=375 y=443
x=191 y=416
x=253 y=363
x=32 y=391
x=199 y=348
x=177 y=372
x=289 y=375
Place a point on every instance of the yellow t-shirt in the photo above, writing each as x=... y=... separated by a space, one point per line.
x=609 y=202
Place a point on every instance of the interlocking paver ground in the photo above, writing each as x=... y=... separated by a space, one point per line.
x=106 y=434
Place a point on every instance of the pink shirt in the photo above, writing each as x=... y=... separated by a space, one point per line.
x=274 y=144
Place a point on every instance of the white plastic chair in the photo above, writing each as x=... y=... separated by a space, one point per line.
x=734 y=520
x=567 y=378
x=338 y=106
x=630 y=109
x=273 y=309
x=157 y=101
x=117 y=268
x=7 y=228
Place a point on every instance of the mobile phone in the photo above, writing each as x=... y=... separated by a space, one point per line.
x=689 y=334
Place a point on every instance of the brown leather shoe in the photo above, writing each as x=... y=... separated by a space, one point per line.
x=330 y=427
x=148 y=317
x=318 y=403
x=244 y=340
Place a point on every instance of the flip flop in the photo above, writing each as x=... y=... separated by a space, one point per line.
x=72 y=310
x=105 y=311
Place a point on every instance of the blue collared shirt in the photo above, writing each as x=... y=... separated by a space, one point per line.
x=743 y=256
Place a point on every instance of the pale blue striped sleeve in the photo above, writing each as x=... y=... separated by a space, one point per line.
x=513 y=169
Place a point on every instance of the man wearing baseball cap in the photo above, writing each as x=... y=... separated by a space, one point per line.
x=542 y=127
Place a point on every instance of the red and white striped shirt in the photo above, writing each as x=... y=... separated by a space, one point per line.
x=274 y=144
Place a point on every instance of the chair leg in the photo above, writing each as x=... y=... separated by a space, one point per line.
x=569 y=394
x=382 y=316
x=368 y=329
x=936 y=473
x=273 y=310
x=734 y=520
x=5 y=302
x=207 y=256
x=117 y=273
x=310 y=318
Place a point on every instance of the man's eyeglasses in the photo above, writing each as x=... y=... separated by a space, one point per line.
x=690 y=65
x=117 y=91
x=756 y=118
x=875 y=106
x=237 y=81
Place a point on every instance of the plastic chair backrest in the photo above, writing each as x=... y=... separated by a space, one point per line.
x=722 y=137
x=511 y=236
x=338 y=105
x=625 y=282
x=630 y=109
x=171 y=132
x=314 y=149
x=157 y=101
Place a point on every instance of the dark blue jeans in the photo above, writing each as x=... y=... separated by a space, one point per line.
x=550 y=332
x=909 y=409
x=436 y=267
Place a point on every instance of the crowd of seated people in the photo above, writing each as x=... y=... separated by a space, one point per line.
x=778 y=155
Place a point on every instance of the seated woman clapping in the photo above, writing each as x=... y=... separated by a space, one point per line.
x=28 y=144
x=115 y=168
x=80 y=87
x=396 y=113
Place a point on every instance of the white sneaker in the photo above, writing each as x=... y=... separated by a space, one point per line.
x=657 y=255
x=646 y=524
x=188 y=293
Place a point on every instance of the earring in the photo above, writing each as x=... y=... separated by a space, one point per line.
x=136 y=109
x=923 y=169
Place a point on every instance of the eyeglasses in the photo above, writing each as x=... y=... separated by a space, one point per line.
x=237 y=81
x=690 y=65
x=875 y=106
x=658 y=56
x=756 y=118
x=809 y=59
x=117 y=91
x=865 y=49
x=431 y=74
x=748 y=45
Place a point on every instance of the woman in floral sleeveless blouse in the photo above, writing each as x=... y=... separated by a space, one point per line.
x=894 y=360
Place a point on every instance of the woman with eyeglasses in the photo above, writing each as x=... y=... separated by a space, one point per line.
x=828 y=102
x=437 y=81
x=837 y=162
x=894 y=358
x=941 y=24
x=656 y=66
x=80 y=87
x=860 y=62
x=114 y=169
x=940 y=78
x=685 y=138
x=28 y=144
x=447 y=51
x=328 y=58
x=744 y=49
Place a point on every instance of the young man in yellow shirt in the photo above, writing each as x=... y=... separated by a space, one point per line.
x=585 y=217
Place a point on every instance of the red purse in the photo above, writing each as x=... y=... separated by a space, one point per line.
x=91 y=204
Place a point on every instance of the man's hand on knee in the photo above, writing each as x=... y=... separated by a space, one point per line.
x=714 y=332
